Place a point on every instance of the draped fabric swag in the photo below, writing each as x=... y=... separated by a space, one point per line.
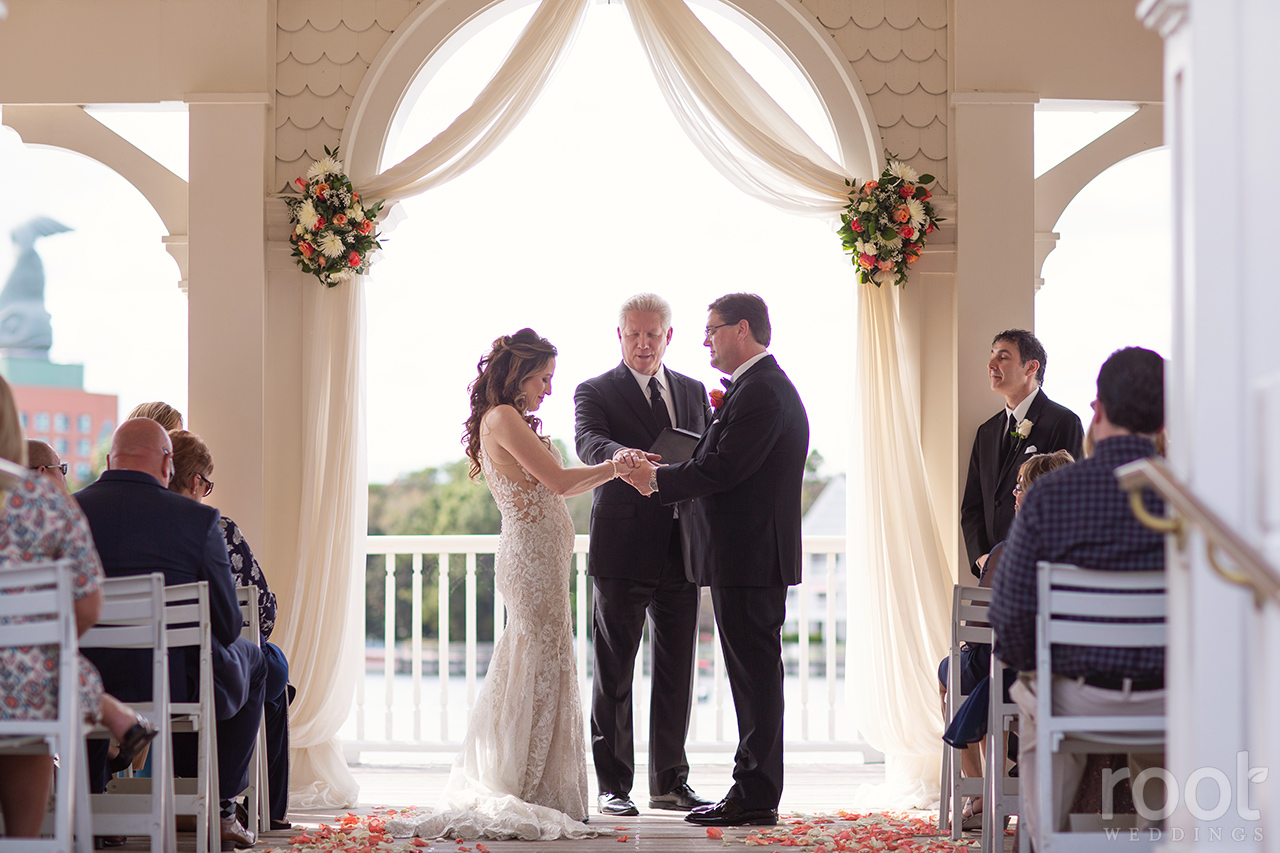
x=757 y=146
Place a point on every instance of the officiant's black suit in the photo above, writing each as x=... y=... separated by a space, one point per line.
x=743 y=484
x=986 y=512
x=636 y=564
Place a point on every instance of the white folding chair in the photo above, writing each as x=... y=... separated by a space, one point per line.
x=132 y=617
x=257 y=795
x=37 y=609
x=968 y=625
x=1000 y=799
x=1067 y=593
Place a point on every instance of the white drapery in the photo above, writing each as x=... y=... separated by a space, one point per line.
x=759 y=148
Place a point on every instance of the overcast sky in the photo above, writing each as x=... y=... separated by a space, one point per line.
x=597 y=195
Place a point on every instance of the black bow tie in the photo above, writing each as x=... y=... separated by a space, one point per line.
x=726 y=383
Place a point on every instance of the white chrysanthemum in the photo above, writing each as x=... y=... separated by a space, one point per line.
x=341 y=276
x=307 y=216
x=320 y=168
x=916 y=208
x=298 y=230
x=901 y=170
x=884 y=276
x=892 y=245
x=331 y=244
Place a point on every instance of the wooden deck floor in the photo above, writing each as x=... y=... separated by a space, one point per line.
x=810 y=788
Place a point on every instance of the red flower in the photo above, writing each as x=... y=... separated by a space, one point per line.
x=912 y=257
x=340 y=219
x=906 y=191
x=866 y=261
x=301 y=182
x=365 y=227
x=717 y=398
x=855 y=225
x=906 y=232
x=319 y=223
x=354 y=259
x=930 y=229
x=307 y=249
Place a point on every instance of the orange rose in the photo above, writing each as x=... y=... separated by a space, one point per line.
x=866 y=261
x=901 y=214
x=717 y=398
x=885 y=265
x=321 y=189
x=365 y=227
x=912 y=257
x=871 y=185
x=307 y=249
x=340 y=219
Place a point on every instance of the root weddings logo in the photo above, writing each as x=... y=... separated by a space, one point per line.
x=1207 y=794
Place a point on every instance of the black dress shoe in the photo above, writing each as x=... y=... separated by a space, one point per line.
x=681 y=798
x=618 y=805
x=731 y=813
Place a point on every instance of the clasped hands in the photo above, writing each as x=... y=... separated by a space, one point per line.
x=636 y=467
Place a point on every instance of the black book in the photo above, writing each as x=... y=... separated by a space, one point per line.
x=675 y=445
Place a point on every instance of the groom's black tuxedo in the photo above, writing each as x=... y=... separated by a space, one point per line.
x=986 y=512
x=744 y=486
x=636 y=563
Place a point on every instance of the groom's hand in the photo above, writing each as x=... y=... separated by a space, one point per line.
x=639 y=476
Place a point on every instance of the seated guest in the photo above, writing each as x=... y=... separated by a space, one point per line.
x=1080 y=515
x=139 y=526
x=162 y=413
x=969 y=725
x=39 y=522
x=43 y=459
x=192 y=469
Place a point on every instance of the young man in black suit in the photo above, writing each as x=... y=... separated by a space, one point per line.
x=743 y=485
x=637 y=566
x=139 y=526
x=1029 y=423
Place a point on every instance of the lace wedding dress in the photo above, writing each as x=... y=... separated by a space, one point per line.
x=522 y=771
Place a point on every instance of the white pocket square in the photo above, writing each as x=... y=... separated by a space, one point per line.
x=1031 y=449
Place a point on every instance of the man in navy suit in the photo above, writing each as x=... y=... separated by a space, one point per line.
x=743 y=485
x=1029 y=423
x=139 y=527
x=637 y=565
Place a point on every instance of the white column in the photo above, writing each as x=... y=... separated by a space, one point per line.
x=993 y=168
x=227 y=274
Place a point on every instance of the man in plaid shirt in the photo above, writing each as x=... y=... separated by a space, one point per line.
x=1079 y=514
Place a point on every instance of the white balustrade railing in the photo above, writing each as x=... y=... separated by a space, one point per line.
x=410 y=696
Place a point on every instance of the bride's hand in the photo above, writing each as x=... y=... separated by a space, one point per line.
x=633 y=457
x=639 y=476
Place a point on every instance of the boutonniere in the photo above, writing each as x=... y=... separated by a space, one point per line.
x=717 y=398
x=1023 y=429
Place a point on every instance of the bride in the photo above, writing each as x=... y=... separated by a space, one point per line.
x=522 y=771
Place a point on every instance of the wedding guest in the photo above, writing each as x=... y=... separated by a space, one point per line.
x=140 y=526
x=39 y=522
x=1029 y=423
x=637 y=566
x=192 y=472
x=743 y=492
x=969 y=725
x=162 y=413
x=43 y=459
x=1080 y=515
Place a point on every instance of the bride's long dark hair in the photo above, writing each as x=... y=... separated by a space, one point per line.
x=511 y=360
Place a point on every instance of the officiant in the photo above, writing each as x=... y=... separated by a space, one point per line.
x=637 y=564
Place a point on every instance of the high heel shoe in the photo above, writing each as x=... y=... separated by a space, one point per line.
x=139 y=735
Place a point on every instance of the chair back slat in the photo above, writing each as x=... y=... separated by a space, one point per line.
x=1121 y=635
x=46 y=632
x=24 y=603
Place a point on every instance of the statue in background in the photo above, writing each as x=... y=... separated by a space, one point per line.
x=24 y=322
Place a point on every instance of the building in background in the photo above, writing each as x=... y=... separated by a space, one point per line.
x=52 y=403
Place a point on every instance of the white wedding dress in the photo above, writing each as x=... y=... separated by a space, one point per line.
x=522 y=771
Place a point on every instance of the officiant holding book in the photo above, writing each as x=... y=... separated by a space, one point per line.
x=637 y=564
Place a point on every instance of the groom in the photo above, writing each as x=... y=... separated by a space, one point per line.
x=744 y=486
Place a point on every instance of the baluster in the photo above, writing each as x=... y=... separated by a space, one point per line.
x=416 y=646
x=389 y=638
x=802 y=629
x=470 y=605
x=829 y=639
x=361 y=655
x=442 y=618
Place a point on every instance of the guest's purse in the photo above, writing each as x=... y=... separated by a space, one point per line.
x=675 y=445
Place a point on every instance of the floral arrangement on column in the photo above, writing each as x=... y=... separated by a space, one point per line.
x=333 y=234
x=885 y=223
